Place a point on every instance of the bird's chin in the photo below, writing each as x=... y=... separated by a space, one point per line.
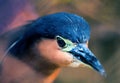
x=77 y=63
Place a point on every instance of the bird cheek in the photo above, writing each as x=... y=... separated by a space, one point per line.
x=51 y=51
x=62 y=58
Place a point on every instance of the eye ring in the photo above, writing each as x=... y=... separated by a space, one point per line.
x=61 y=42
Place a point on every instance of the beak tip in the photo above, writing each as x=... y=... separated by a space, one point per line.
x=104 y=74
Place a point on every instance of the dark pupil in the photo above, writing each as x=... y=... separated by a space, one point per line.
x=60 y=42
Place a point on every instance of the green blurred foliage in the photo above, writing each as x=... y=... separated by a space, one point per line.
x=104 y=19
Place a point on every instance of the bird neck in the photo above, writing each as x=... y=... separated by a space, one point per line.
x=51 y=77
x=46 y=71
x=26 y=74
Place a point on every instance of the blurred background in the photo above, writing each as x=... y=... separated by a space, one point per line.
x=103 y=17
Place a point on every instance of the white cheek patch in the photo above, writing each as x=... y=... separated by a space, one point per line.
x=77 y=63
x=74 y=64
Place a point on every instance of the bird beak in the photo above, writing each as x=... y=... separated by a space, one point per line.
x=82 y=53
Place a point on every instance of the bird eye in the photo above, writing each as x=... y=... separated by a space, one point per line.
x=61 y=42
x=65 y=44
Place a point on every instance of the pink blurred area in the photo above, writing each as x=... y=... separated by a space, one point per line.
x=15 y=13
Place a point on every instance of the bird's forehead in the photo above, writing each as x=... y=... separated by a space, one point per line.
x=74 y=32
x=69 y=26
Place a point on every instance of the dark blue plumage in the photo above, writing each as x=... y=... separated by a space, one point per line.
x=70 y=26
x=67 y=25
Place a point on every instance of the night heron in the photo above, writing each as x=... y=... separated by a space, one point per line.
x=53 y=41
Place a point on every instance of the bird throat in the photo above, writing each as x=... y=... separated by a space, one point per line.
x=43 y=67
x=40 y=64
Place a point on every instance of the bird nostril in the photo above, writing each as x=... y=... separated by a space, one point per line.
x=81 y=50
